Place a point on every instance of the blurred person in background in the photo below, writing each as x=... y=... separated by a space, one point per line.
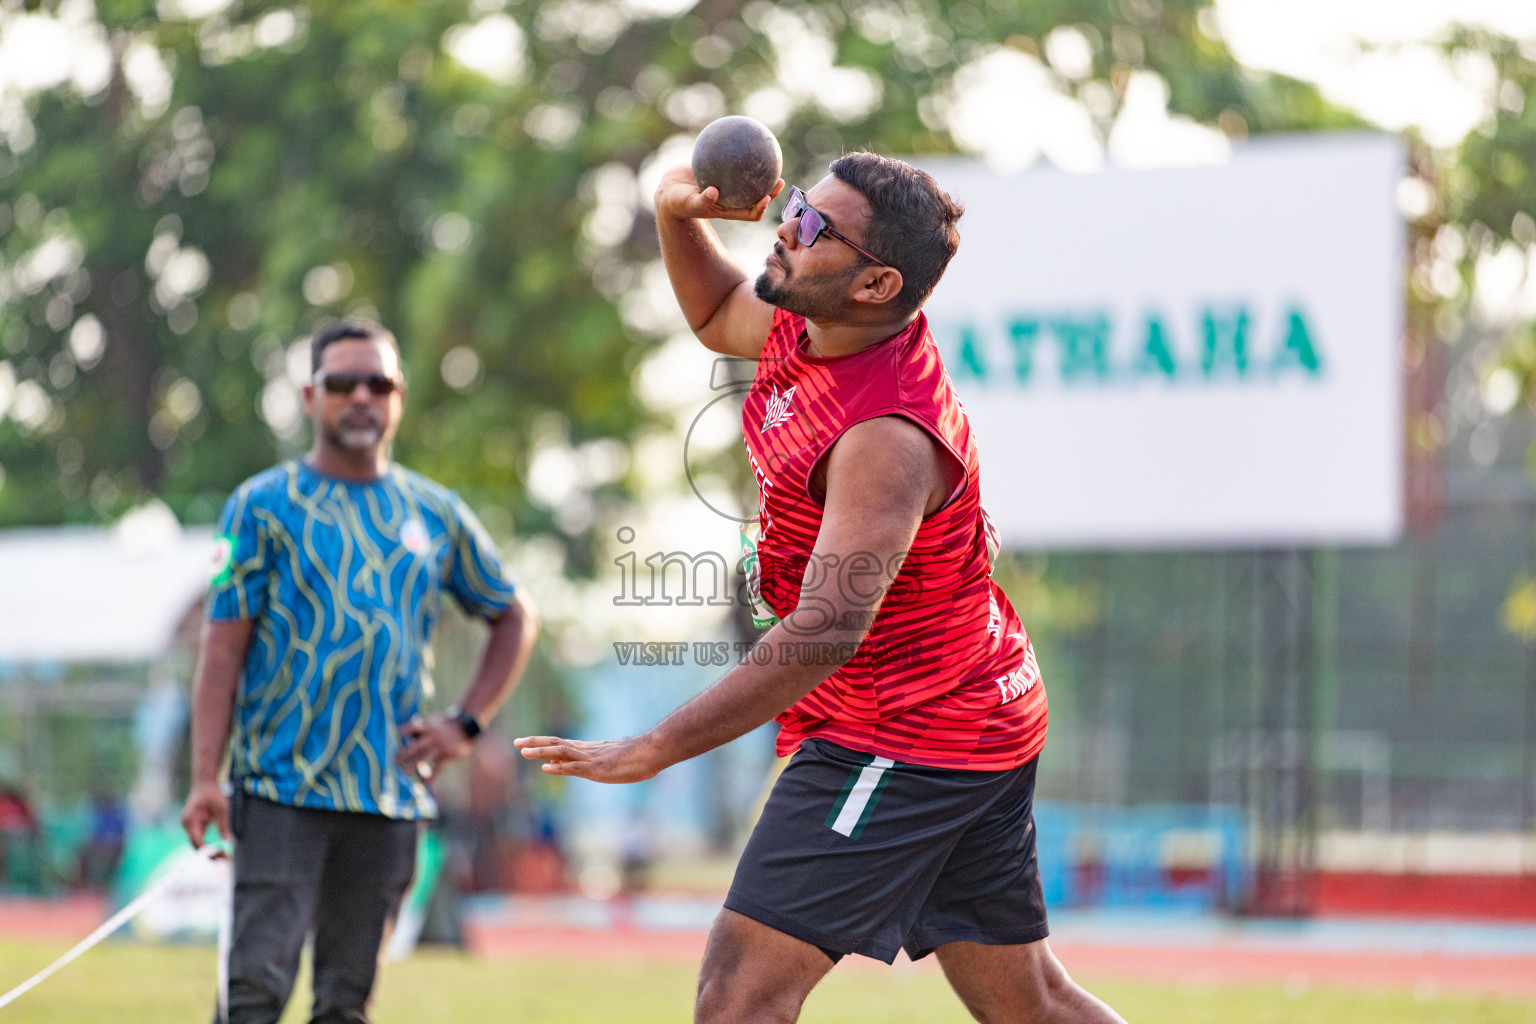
x=901 y=677
x=20 y=841
x=103 y=849
x=314 y=666
x=475 y=805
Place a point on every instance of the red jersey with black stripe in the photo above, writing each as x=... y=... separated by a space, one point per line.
x=946 y=675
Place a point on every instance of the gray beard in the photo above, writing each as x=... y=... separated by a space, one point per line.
x=356 y=438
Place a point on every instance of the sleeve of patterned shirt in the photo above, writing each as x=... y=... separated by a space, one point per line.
x=476 y=577
x=239 y=587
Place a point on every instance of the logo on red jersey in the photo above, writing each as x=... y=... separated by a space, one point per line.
x=778 y=408
x=1022 y=679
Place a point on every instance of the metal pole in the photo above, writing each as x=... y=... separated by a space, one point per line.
x=1281 y=790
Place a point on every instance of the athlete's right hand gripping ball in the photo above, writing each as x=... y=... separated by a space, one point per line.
x=738 y=156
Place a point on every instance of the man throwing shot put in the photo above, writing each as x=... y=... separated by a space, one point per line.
x=900 y=675
x=316 y=655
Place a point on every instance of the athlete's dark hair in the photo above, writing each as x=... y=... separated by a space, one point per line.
x=345 y=330
x=912 y=222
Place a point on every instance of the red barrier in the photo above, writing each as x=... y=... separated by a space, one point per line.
x=1373 y=893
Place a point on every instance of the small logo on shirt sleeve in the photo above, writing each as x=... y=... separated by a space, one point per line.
x=221 y=559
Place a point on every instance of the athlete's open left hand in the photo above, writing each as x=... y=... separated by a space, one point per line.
x=628 y=760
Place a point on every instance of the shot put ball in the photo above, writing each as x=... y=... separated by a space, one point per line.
x=740 y=157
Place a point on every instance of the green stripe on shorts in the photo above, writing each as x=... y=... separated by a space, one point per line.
x=856 y=803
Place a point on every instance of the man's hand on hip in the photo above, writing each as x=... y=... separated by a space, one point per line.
x=431 y=743
x=205 y=805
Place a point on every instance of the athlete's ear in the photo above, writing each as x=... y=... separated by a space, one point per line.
x=877 y=285
x=309 y=400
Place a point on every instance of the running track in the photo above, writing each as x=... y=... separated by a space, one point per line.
x=1426 y=957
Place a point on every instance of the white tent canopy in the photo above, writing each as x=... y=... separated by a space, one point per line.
x=87 y=594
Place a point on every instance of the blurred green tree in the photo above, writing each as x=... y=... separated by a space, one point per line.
x=214 y=178
x=1488 y=193
x=1486 y=230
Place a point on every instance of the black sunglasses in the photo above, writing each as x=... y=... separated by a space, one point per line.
x=346 y=383
x=813 y=224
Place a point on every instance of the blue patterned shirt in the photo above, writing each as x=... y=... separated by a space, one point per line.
x=343 y=581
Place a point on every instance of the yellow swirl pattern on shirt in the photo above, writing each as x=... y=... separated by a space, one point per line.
x=344 y=609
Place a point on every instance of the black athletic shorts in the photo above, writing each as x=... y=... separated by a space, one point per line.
x=857 y=854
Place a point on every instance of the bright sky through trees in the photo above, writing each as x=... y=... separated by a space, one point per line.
x=1374 y=56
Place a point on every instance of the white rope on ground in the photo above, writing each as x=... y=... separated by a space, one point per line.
x=226 y=940
x=153 y=892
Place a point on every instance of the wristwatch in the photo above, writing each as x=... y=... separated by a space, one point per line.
x=469 y=723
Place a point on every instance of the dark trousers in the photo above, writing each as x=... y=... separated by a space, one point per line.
x=297 y=870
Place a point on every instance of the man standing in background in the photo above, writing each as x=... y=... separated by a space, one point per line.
x=315 y=661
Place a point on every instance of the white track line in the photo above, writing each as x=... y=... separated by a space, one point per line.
x=206 y=852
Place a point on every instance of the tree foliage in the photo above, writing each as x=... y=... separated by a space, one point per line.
x=1488 y=191
x=162 y=246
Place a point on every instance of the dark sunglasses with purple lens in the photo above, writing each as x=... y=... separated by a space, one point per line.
x=346 y=383
x=813 y=225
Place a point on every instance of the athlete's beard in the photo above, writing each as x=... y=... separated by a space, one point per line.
x=819 y=297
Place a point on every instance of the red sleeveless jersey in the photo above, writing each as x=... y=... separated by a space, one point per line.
x=946 y=676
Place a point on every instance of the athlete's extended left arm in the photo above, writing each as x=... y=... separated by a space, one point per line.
x=882 y=476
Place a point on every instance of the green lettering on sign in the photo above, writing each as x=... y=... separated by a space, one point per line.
x=1156 y=356
x=1224 y=341
x=1297 y=350
x=1084 y=346
x=1023 y=332
x=971 y=359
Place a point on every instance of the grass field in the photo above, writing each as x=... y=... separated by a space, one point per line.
x=122 y=983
